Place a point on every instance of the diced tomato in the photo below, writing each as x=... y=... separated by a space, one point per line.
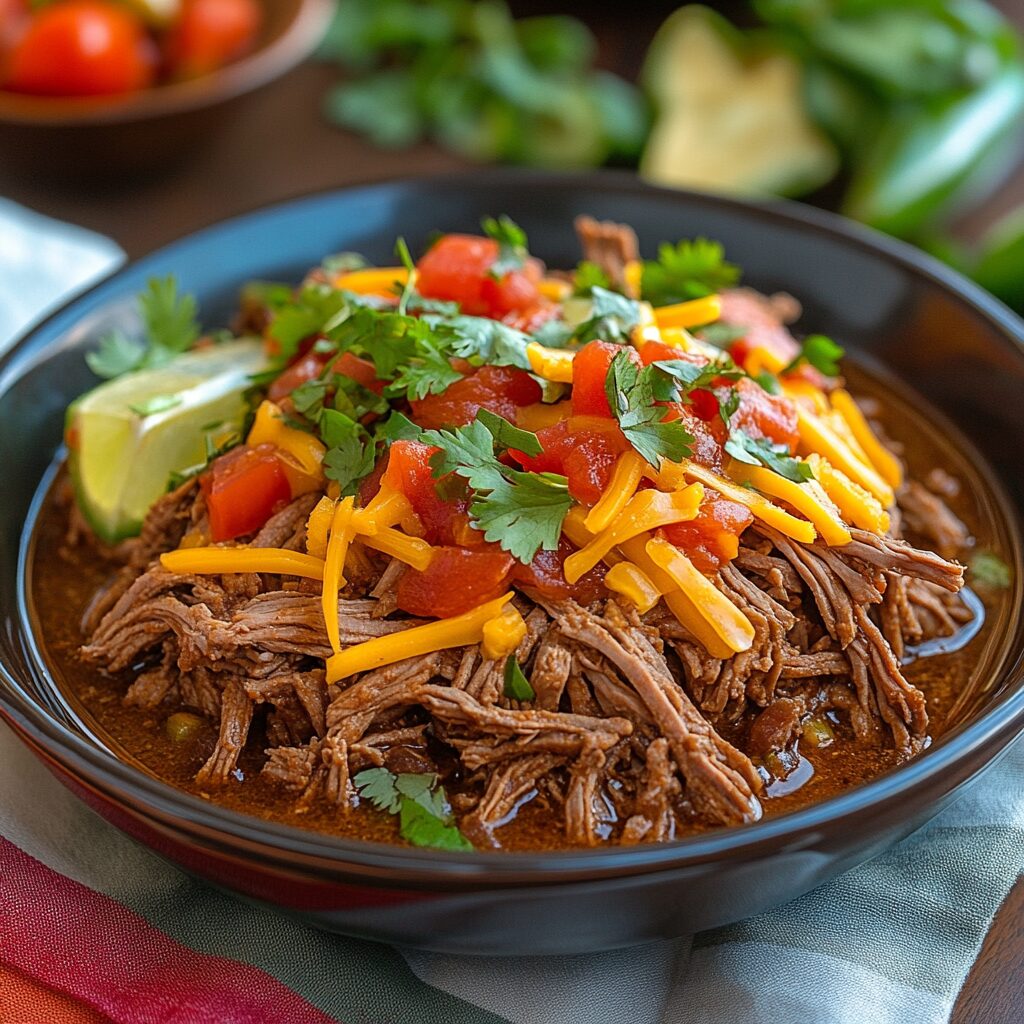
x=210 y=33
x=712 y=539
x=546 y=576
x=457 y=268
x=81 y=48
x=703 y=403
x=761 y=414
x=582 y=448
x=501 y=389
x=440 y=505
x=589 y=370
x=457 y=580
x=708 y=435
x=312 y=364
x=659 y=352
x=243 y=489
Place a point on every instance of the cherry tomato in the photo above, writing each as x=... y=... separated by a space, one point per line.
x=211 y=33
x=457 y=268
x=457 y=580
x=712 y=538
x=82 y=48
x=501 y=389
x=589 y=370
x=545 y=575
x=243 y=489
x=582 y=448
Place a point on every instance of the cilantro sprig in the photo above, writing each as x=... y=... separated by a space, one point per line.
x=759 y=451
x=612 y=317
x=517 y=686
x=521 y=511
x=170 y=325
x=819 y=351
x=690 y=269
x=632 y=394
x=424 y=815
x=513 y=249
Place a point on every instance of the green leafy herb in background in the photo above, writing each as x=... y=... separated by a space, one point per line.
x=480 y=83
x=688 y=270
x=818 y=351
x=170 y=324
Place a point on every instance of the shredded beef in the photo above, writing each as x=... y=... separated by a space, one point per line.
x=611 y=246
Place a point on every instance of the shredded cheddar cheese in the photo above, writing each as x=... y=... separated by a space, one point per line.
x=629 y=580
x=334 y=568
x=672 y=475
x=881 y=458
x=457 y=631
x=633 y=273
x=301 y=453
x=717 y=611
x=625 y=477
x=555 y=289
x=689 y=314
x=215 y=560
x=646 y=510
x=857 y=505
x=574 y=527
x=503 y=634
x=318 y=527
x=387 y=508
x=413 y=551
x=807 y=498
x=373 y=280
x=554 y=364
x=817 y=436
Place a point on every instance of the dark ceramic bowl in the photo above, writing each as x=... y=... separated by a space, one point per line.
x=110 y=138
x=890 y=304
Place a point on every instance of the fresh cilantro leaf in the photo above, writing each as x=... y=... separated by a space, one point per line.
x=989 y=570
x=821 y=352
x=769 y=382
x=422 y=828
x=397 y=428
x=116 y=354
x=170 y=319
x=722 y=334
x=427 y=372
x=523 y=512
x=308 y=398
x=699 y=375
x=587 y=277
x=760 y=451
x=170 y=326
x=687 y=270
x=336 y=428
x=378 y=786
x=316 y=310
x=517 y=686
x=631 y=395
x=612 y=317
x=349 y=461
x=355 y=400
x=482 y=340
x=727 y=405
x=554 y=334
x=512 y=245
x=424 y=814
x=158 y=403
x=510 y=436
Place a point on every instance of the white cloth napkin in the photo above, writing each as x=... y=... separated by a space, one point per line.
x=889 y=942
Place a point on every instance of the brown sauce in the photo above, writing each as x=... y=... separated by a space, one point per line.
x=63 y=582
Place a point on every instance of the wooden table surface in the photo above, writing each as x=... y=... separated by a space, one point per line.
x=277 y=147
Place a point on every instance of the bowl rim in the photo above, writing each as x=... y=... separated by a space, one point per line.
x=169 y=808
x=293 y=44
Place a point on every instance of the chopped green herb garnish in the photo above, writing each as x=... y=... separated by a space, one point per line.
x=517 y=686
x=170 y=326
x=350 y=460
x=612 y=317
x=424 y=814
x=632 y=393
x=587 y=277
x=688 y=270
x=523 y=512
x=512 y=245
x=759 y=451
x=504 y=433
x=821 y=352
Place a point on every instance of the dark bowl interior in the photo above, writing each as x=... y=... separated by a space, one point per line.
x=892 y=306
x=69 y=139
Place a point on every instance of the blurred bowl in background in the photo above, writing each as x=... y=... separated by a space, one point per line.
x=82 y=138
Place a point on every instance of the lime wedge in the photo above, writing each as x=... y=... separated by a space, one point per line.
x=127 y=436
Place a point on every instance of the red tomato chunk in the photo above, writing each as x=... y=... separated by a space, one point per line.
x=589 y=371
x=456 y=581
x=712 y=539
x=243 y=489
x=545 y=576
x=500 y=389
